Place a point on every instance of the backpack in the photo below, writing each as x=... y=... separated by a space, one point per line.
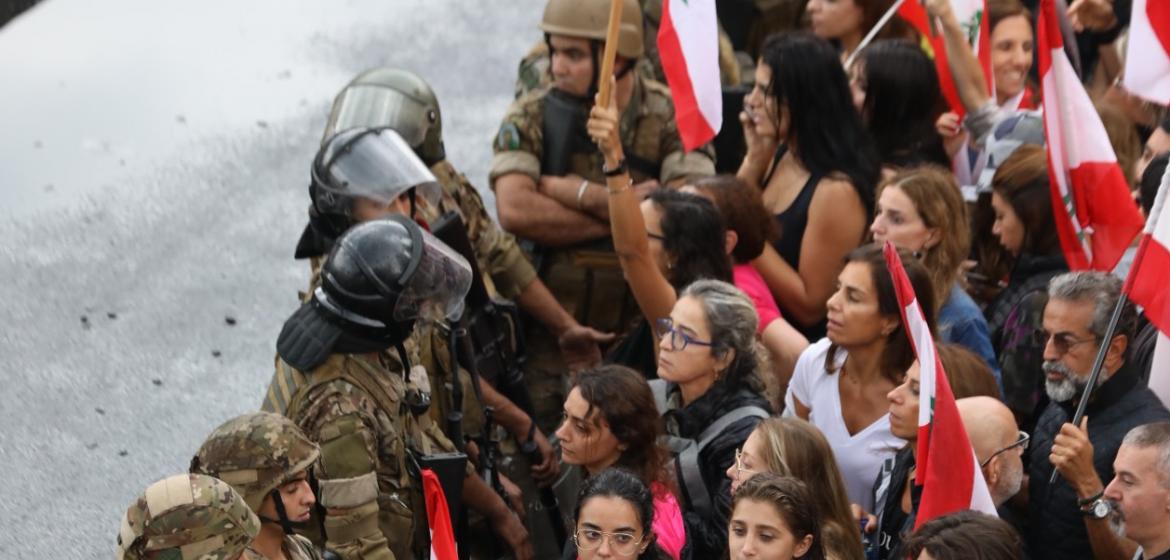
x=685 y=451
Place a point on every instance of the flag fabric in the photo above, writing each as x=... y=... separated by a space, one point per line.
x=971 y=15
x=948 y=471
x=1147 y=63
x=688 y=45
x=1146 y=287
x=1096 y=217
x=442 y=533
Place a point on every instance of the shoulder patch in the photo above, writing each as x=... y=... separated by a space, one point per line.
x=509 y=137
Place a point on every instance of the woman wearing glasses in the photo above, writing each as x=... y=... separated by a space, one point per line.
x=614 y=514
x=708 y=360
x=795 y=448
x=611 y=421
x=840 y=383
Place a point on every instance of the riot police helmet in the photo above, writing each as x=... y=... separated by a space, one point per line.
x=394 y=98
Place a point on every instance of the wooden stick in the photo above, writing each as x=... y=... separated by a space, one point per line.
x=605 y=75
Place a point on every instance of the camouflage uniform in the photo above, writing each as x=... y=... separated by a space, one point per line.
x=187 y=517
x=355 y=410
x=589 y=271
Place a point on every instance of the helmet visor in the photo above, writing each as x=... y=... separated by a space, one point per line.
x=378 y=165
x=372 y=106
x=438 y=287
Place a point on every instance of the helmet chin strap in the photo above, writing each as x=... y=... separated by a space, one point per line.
x=285 y=524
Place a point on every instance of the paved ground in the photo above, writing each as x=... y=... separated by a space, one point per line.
x=153 y=173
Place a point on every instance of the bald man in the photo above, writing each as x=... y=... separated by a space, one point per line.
x=998 y=443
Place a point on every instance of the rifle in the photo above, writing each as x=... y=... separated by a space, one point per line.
x=487 y=346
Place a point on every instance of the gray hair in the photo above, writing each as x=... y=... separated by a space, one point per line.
x=1157 y=435
x=732 y=320
x=1103 y=289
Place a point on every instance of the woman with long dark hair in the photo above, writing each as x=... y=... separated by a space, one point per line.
x=611 y=421
x=895 y=88
x=815 y=164
x=613 y=518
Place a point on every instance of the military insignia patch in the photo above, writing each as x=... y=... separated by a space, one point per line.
x=508 y=137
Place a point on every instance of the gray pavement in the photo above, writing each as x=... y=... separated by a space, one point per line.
x=153 y=174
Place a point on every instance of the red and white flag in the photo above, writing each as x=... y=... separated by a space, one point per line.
x=688 y=45
x=1147 y=63
x=948 y=471
x=1147 y=287
x=972 y=16
x=1096 y=217
x=442 y=533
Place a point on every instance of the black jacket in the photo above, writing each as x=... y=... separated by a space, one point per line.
x=1056 y=525
x=707 y=538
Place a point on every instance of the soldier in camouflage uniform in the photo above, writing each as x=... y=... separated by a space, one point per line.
x=366 y=406
x=266 y=458
x=549 y=187
x=187 y=517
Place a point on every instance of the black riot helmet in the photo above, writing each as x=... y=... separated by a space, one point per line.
x=393 y=98
x=372 y=163
x=379 y=279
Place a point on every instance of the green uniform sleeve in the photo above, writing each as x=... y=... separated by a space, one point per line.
x=519 y=141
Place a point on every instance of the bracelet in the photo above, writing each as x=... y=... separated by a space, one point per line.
x=621 y=168
x=620 y=189
x=581 y=192
x=1083 y=502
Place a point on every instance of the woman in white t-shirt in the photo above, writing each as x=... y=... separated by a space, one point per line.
x=840 y=383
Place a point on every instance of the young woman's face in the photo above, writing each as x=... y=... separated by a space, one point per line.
x=761 y=106
x=898 y=221
x=749 y=461
x=835 y=19
x=585 y=436
x=758 y=532
x=1007 y=226
x=652 y=215
x=608 y=527
x=904 y=405
x=854 y=318
x=1011 y=55
x=695 y=362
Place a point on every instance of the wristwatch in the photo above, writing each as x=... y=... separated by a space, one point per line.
x=1097 y=509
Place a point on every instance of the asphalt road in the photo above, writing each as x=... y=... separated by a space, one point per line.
x=153 y=173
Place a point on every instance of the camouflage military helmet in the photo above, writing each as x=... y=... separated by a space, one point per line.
x=590 y=19
x=255 y=453
x=395 y=98
x=187 y=517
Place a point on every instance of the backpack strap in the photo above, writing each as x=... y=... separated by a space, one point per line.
x=688 y=459
x=660 y=389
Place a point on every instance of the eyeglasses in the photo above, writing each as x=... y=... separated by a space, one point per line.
x=1062 y=342
x=739 y=468
x=678 y=339
x=624 y=544
x=1021 y=443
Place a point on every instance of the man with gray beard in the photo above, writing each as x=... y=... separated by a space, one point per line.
x=1140 y=493
x=1068 y=519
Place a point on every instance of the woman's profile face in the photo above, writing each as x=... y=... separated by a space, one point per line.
x=854 y=316
x=652 y=215
x=585 y=436
x=904 y=405
x=1007 y=226
x=757 y=532
x=608 y=527
x=898 y=221
x=749 y=460
x=761 y=107
x=834 y=19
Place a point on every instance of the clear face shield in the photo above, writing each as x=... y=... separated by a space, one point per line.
x=367 y=105
x=376 y=164
x=438 y=287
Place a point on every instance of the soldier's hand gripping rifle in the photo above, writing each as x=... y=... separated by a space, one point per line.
x=486 y=345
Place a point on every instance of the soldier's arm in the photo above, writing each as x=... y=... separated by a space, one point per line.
x=529 y=214
x=349 y=487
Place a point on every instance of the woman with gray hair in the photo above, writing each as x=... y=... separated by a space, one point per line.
x=709 y=393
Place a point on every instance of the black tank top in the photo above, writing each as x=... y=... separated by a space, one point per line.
x=792 y=222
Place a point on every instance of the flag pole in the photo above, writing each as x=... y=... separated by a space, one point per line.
x=1098 y=362
x=877 y=27
x=605 y=75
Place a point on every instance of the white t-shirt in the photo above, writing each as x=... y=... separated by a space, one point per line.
x=859 y=456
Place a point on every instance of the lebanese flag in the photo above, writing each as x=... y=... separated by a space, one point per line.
x=688 y=45
x=442 y=534
x=948 y=471
x=1146 y=285
x=1096 y=217
x=1147 y=63
x=971 y=15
